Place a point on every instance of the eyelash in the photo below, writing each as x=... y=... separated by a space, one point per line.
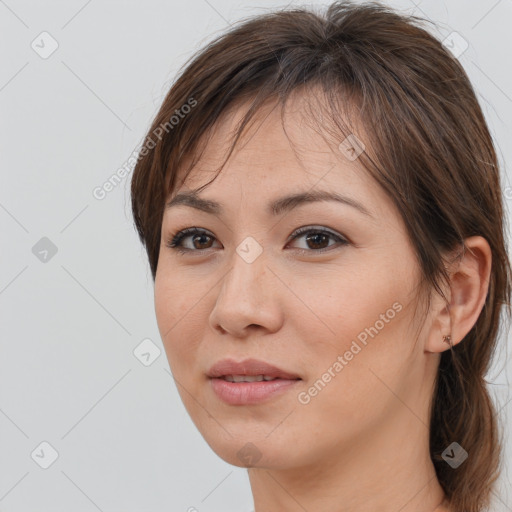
x=176 y=239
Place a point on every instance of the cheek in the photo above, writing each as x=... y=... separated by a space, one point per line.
x=177 y=308
x=348 y=386
x=357 y=335
x=338 y=304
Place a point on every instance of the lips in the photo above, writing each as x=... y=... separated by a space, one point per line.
x=250 y=368
x=249 y=382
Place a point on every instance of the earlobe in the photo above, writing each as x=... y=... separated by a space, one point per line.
x=467 y=291
x=447 y=338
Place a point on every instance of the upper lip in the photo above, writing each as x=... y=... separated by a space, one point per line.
x=248 y=367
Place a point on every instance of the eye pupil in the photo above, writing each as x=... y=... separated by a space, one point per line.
x=317 y=238
x=201 y=236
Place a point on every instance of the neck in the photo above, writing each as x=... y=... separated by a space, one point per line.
x=388 y=469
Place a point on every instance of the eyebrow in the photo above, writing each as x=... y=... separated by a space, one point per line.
x=276 y=207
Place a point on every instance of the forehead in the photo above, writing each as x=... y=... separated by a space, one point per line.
x=271 y=162
x=290 y=145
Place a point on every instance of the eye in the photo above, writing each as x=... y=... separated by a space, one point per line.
x=317 y=238
x=199 y=239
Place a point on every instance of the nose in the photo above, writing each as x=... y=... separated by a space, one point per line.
x=248 y=299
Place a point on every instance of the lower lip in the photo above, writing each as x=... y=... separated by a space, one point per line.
x=246 y=393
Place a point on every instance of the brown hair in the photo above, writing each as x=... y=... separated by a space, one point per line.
x=433 y=155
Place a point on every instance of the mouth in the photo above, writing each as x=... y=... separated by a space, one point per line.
x=249 y=368
x=250 y=381
x=249 y=378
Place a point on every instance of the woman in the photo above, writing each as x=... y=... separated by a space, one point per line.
x=319 y=199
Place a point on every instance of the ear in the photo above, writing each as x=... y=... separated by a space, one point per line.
x=466 y=293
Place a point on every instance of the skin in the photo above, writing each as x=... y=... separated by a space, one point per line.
x=360 y=444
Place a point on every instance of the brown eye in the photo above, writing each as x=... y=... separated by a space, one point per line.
x=317 y=240
x=199 y=240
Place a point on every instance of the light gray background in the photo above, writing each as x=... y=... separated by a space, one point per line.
x=69 y=325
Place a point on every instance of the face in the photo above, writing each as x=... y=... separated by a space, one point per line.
x=322 y=290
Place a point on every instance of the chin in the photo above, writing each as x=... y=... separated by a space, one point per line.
x=252 y=451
